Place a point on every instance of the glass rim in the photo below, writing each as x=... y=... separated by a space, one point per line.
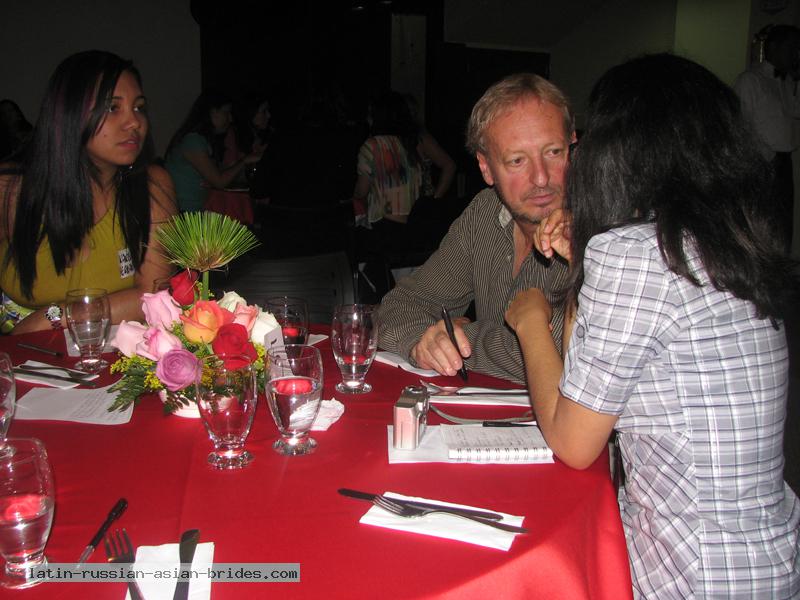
x=89 y=291
x=18 y=457
x=283 y=350
x=285 y=300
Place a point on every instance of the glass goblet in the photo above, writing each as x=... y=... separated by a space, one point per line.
x=8 y=396
x=226 y=396
x=292 y=315
x=27 y=498
x=294 y=388
x=354 y=340
x=88 y=313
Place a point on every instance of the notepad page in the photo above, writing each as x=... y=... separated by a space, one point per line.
x=495 y=444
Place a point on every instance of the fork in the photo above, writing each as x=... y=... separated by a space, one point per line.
x=456 y=391
x=120 y=550
x=71 y=372
x=410 y=512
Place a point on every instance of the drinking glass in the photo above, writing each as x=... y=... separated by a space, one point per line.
x=8 y=396
x=88 y=318
x=354 y=340
x=294 y=387
x=226 y=398
x=292 y=315
x=27 y=497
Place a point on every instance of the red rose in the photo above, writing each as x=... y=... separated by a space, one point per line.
x=183 y=288
x=231 y=343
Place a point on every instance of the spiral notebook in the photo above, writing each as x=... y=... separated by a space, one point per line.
x=495 y=444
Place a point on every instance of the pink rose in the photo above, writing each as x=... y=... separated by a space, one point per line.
x=160 y=309
x=129 y=334
x=178 y=369
x=245 y=315
x=156 y=342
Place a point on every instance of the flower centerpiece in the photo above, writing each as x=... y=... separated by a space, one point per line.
x=185 y=324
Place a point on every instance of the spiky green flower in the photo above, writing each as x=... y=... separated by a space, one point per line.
x=203 y=241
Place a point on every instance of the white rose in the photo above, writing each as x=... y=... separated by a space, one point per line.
x=230 y=300
x=265 y=323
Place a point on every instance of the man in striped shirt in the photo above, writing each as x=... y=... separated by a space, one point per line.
x=520 y=131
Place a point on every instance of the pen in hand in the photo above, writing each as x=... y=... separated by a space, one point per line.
x=448 y=324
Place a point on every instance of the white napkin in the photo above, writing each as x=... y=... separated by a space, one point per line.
x=165 y=558
x=64 y=385
x=72 y=349
x=445 y=526
x=492 y=398
x=329 y=413
x=315 y=338
x=395 y=360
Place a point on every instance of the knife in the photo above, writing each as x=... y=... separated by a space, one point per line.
x=483 y=514
x=186 y=549
x=24 y=371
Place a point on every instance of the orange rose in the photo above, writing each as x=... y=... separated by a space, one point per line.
x=203 y=320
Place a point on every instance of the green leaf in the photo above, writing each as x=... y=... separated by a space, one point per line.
x=203 y=241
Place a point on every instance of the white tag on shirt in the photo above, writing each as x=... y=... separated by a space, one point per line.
x=125 y=263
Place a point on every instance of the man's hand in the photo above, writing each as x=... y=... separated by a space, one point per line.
x=554 y=235
x=435 y=350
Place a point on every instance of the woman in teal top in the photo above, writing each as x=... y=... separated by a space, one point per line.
x=191 y=158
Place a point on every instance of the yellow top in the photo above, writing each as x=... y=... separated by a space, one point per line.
x=104 y=262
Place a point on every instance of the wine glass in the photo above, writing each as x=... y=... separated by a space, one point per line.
x=226 y=395
x=8 y=396
x=354 y=339
x=294 y=388
x=292 y=315
x=27 y=498
x=88 y=318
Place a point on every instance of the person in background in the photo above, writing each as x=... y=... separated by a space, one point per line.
x=81 y=208
x=520 y=131
x=15 y=130
x=195 y=154
x=770 y=100
x=678 y=342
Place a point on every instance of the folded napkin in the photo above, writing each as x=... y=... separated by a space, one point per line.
x=72 y=349
x=329 y=413
x=165 y=558
x=395 y=360
x=445 y=526
x=491 y=398
x=64 y=385
x=315 y=338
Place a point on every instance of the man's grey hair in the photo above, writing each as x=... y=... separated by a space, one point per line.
x=503 y=95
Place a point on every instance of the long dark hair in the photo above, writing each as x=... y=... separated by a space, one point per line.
x=199 y=121
x=55 y=198
x=666 y=143
x=391 y=116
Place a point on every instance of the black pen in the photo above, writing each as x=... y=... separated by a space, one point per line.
x=40 y=349
x=448 y=324
x=509 y=424
x=118 y=509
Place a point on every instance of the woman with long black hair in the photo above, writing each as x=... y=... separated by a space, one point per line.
x=80 y=208
x=677 y=343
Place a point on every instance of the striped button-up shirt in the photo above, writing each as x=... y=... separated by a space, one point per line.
x=699 y=384
x=475 y=261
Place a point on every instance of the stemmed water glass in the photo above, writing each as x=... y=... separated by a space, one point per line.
x=27 y=498
x=88 y=314
x=8 y=396
x=354 y=339
x=226 y=395
x=294 y=388
x=292 y=315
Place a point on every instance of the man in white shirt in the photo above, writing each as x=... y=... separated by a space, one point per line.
x=770 y=100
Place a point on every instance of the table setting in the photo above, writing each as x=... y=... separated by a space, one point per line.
x=288 y=463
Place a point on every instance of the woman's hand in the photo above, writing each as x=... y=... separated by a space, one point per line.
x=554 y=235
x=529 y=309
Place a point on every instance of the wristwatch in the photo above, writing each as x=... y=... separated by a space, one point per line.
x=53 y=315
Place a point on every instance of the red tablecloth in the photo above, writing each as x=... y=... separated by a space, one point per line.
x=287 y=510
x=236 y=204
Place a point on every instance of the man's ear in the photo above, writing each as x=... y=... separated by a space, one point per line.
x=485 y=170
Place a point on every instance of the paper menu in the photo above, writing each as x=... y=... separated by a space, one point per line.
x=79 y=406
